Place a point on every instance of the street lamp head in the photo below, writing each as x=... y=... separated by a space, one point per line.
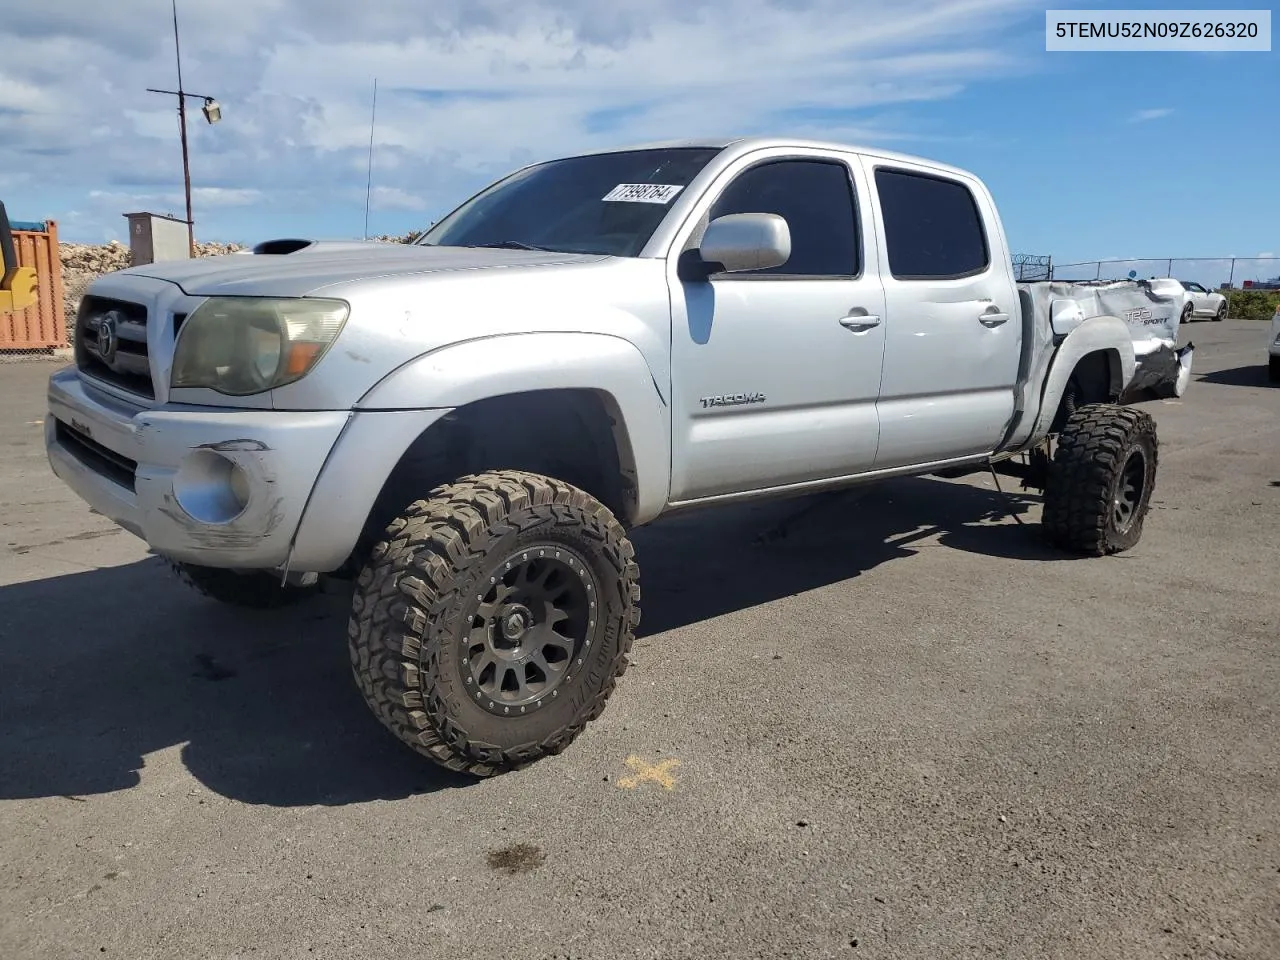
x=212 y=112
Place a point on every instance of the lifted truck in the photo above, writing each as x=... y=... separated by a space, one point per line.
x=468 y=426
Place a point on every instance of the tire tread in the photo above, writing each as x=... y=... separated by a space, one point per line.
x=412 y=582
x=1077 y=503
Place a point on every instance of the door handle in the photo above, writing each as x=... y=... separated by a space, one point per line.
x=860 y=324
x=992 y=317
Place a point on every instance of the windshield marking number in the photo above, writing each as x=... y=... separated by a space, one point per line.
x=661 y=193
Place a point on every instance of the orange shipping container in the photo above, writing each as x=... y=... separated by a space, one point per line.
x=43 y=325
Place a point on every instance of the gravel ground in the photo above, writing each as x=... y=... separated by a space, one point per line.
x=896 y=727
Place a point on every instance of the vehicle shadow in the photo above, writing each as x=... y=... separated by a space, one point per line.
x=1254 y=375
x=712 y=562
x=99 y=670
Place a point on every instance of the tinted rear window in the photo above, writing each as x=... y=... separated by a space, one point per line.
x=932 y=227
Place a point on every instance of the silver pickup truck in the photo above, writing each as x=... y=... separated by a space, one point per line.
x=468 y=426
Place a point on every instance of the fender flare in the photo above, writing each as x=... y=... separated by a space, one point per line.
x=1096 y=334
x=610 y=366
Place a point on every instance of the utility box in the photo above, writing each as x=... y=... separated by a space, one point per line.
x=153 y=237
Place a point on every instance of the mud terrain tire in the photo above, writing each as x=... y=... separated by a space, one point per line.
x=256 y=589
x=491 y=623
x=1101 y=480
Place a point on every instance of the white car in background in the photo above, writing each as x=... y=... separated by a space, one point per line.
x=1273 y=348
x=1202 y=302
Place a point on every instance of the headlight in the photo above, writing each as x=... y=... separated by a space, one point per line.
x=246 y=345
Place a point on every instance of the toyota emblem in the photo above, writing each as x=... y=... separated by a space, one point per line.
x=108 y=339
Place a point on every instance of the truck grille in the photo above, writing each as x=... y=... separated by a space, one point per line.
x=111 y=344
x=115 y=467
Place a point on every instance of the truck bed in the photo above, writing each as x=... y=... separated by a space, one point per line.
x=1150 y=308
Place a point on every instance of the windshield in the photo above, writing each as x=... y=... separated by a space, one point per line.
x=608 y=203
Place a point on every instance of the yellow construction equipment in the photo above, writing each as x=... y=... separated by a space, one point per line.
x=17 y=284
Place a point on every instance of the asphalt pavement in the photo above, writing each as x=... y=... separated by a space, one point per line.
x=887 y=724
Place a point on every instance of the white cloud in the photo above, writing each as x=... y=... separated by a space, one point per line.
x=1156 y=113
x=202 y=196
x=392 y=198
x=225 y=197
x=468 y=89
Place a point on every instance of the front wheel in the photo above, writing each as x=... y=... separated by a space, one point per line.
x=1100 y=482
x=1222 y=312
x=492 y=622
x=1273 y=369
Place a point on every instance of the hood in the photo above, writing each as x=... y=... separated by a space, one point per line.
x=295 y=268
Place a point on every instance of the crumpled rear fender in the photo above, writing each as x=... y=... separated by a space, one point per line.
x=1109 y=335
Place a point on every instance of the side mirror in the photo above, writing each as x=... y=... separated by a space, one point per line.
x=746 y=241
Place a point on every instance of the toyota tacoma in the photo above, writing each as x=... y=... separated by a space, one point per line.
x=468 y=426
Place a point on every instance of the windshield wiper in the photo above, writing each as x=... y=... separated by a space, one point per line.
x=510 y=245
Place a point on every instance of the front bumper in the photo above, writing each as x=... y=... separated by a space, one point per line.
x=223 y=488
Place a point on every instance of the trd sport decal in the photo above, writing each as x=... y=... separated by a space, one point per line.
x=732 y=399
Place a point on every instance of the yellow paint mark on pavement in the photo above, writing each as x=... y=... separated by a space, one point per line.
x=645 y=772
x=36 y=423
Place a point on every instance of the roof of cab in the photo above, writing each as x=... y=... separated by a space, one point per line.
x=741 y=145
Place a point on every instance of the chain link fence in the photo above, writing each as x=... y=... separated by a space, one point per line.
x=1251 y=285
x=1029 y=267
x=1213 y=273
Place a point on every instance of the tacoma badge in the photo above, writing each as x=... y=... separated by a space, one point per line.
x=732 y=399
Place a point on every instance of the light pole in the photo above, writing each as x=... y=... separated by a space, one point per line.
x=212 y=113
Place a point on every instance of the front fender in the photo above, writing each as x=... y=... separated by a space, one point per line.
x=610 y=366
x=1109 y=334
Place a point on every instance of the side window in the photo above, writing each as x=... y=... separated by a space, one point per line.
x=815 y=197
x=932 y=227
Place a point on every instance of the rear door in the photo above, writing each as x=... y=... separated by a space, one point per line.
x=953 y=338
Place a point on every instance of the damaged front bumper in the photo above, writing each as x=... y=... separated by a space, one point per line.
x=223 y=488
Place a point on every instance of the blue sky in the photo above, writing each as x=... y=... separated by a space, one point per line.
x=1088 y=154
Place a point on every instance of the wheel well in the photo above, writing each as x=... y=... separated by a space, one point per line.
x=577 y=436
x=1097 y=378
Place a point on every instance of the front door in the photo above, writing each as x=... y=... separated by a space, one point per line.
x=954 y=338
x=775 y=373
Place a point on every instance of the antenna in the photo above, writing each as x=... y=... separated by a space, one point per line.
x=368 y=194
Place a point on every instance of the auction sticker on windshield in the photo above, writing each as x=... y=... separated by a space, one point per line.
x=643 y=192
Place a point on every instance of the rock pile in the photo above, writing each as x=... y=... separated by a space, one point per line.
x=407 y=238
x=82 y=263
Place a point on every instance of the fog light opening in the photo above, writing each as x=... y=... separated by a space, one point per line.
x=211 y=488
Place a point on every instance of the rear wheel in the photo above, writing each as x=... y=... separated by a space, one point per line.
x=1273 y=369
x=1186 y=314
x=1101 y=479
x=490 y=625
